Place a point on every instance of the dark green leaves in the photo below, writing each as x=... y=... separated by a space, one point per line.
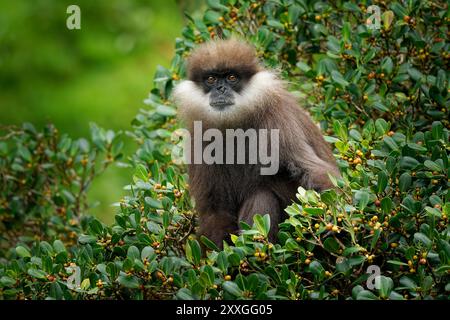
x=404 y=182
x=262 y=224
x=193 y=251
x=128 y=281
x=339 y=79
x=362 y=199
x=232 y=288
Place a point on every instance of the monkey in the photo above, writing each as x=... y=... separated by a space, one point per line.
x=227 y=87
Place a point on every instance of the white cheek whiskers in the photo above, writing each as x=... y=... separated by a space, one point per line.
x=194 y=104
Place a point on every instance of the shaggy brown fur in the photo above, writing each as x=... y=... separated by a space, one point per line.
x=222 y=54
x=226 y=194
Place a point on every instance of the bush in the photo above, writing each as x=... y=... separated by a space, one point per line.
x=380 y=95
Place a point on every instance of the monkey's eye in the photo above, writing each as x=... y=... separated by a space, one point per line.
x=211 y=80
x=232 y=78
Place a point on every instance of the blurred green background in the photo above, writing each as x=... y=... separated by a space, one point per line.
x=100 y=73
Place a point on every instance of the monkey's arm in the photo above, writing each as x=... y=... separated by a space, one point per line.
x=310 y=171
x=306 y=155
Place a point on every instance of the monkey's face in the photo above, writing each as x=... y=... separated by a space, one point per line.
x=221 y=86
x=225 y=85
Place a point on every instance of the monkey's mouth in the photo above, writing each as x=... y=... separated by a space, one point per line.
x=221 y=104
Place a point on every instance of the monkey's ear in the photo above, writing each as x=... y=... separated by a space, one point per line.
x=219 y=33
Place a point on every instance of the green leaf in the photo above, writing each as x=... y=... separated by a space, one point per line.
x=165 y=110
x=415 y=74
x=338 y=78
x=275 y=24
x=408 y=283
x=433 y=211
x=381 y=126
x=141 y=172
x=24 y=153
x=208 y=243
x=194 y=251
x=294 y=12
x=262 y=224
x=420 y=237
x=212 y=16
x=215 y=4
x=390 y=143
x=222 y=261
x=154 y=203
x=380 y=106
x=340 y=130
x=39 y=274
x=382 y=181
x=232 y=288
x=362 y=198
x=166 y=219
x=147 y=253
x=317 y=270
x=85 y=239
x=408 y=163
x=437 y=130
x=303 y=66
x=432 y=165
x=366 y=295
x=404 y=182
x=398 y=263
x=85 y=284
x=59 y=246
x=387 y=65
x=356 y=290
x=7 y=281
x=386 y=205
x=331 y=245
x=129 y=281
x=133 y=253
x=384 y=285
x=395 y=296
x=387 y=17
x=184 y=294
x=350 y=250
x=23 y=252
x=96 y=227
x=313 y=211
x=416 y=147
x=355 y=135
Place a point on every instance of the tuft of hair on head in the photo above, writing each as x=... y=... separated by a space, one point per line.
x=220 y=54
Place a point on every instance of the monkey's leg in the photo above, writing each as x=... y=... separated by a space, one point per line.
x=262 y=202
x=217 y=227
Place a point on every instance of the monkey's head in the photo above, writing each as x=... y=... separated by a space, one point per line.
x=225 y=85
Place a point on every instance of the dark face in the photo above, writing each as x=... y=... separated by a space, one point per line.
x=222 y=85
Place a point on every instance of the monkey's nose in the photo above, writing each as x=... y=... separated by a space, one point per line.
x=221 y=89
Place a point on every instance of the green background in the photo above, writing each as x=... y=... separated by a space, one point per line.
x=101 y=73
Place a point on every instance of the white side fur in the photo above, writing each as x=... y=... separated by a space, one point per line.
x=193 y=103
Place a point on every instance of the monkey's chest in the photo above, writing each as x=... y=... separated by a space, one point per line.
x=225 y=187
x=223 y=184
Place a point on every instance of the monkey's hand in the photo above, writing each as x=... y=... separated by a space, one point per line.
x=312 y=177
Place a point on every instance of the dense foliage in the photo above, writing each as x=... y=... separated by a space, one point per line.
x=380 y=95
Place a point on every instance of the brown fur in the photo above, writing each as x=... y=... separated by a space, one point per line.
x=226 y=194
x=220 y=54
